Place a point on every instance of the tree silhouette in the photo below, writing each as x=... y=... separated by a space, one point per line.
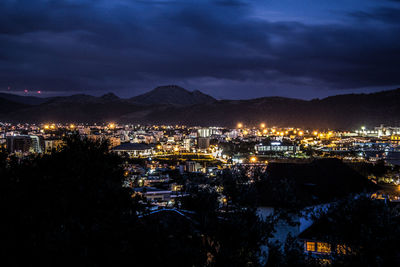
x=66 y=208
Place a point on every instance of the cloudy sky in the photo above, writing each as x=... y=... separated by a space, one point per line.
x=226 y=48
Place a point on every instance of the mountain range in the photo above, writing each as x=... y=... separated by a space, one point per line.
x=175 y=105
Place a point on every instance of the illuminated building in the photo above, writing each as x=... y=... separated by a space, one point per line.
x=25 y=144
x=204 y=132
x=276 y=146
x=190 y=166
x=52 y=144
x=134 y=150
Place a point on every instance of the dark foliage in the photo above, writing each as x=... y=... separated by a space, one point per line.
x=301 y=185
x=369 y=229
x=67 y=208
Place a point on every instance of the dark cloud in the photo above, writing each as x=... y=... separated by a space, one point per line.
x=382 y=14
x=221 y=47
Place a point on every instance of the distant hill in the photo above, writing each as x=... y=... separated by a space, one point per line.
x=172 y=95
x=336 y=112
x=7 y=106
x=29 y=100
x=175 y=105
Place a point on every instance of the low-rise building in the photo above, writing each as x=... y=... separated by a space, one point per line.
x=134 y=149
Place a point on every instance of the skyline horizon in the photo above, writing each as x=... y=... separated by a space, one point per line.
x=99 y=93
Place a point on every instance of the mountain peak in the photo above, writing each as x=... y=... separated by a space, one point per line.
x=172 y=95
x=109 y=96
x=169 y=87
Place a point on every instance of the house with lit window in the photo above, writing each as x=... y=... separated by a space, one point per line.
x=316 y=243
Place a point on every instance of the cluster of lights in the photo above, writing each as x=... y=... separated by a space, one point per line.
x=49 y=126
x=264 y=130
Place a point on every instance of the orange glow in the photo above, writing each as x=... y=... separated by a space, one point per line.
x=240 y=125
x=262 y=125
x=253 y=159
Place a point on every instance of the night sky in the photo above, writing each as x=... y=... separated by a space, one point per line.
x=228 y=49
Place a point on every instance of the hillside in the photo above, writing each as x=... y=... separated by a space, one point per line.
x=172 y=95
x=175 y=105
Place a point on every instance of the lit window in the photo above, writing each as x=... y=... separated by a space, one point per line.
x=341 y=249
x=324 y=262
x=323 y=247
x=310 y=246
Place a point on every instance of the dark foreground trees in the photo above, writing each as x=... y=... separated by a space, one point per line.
x=69 y=209
x=368 y=229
